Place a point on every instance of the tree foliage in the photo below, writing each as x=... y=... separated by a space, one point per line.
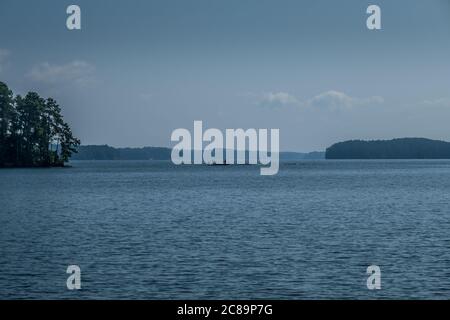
x=33 y=131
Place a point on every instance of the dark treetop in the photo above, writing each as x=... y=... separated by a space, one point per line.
x=405 y=148
x=32 y=131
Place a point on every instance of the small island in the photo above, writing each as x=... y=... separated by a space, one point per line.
x=33 y=132
x=404 y=148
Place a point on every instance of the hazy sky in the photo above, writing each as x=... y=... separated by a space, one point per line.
x=139 y=69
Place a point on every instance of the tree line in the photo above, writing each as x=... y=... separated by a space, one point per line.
x=33 y=132
x=404 y=148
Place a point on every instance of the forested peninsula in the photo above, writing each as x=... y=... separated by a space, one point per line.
x=33 y=132
x=404 y=148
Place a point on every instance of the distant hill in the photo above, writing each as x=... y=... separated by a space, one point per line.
x=316 y=155
x=405 y=148
x=105 y=152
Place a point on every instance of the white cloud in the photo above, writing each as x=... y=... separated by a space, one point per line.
x=277 y=99
x=75 y=72
x=338 y=100
x=146 y=96
x=441 y=102
x=327 y=100
x=3 y=56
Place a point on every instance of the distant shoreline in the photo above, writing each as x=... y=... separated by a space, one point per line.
x=14 y=166
x=105 y=152
x=395 y=149
x=403 y=148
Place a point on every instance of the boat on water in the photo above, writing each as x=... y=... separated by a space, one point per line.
x=224 y=163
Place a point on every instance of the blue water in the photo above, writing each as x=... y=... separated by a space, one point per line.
x=151 y=230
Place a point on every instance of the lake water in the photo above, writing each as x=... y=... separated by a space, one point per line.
x=152 y=230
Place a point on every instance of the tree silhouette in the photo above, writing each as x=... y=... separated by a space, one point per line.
x=33 y=131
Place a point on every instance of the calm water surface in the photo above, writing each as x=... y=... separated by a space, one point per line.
x=151 y=230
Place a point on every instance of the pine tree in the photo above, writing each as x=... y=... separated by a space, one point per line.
x=33 y=131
